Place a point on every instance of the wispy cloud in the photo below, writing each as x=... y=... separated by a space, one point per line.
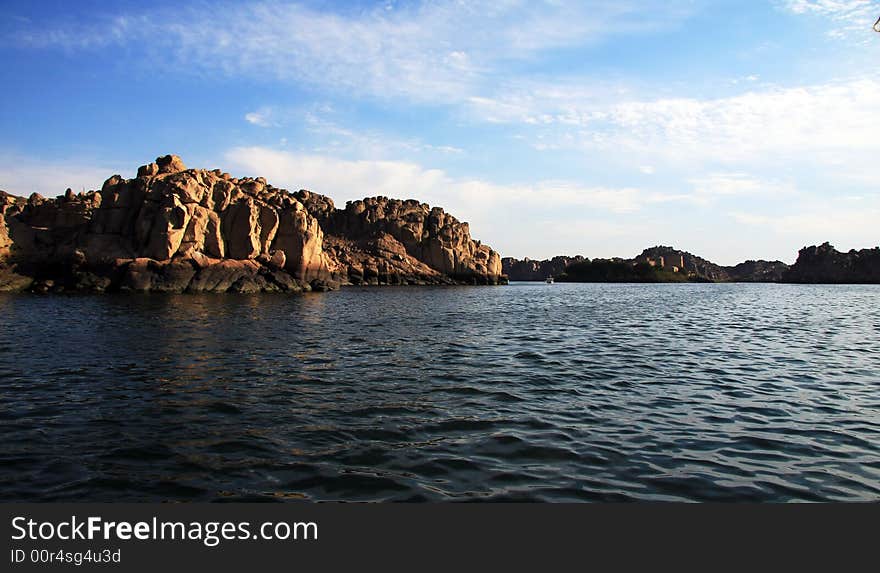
x=105 y=31
x=848 y=19
x=847 y=225
x=460 y=54
x=827 y=122
x=262 y=117
x=427 y=51
x=328 y=133
x=370 y=144
x=738 y=185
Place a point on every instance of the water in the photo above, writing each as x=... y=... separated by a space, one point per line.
x=528 y=392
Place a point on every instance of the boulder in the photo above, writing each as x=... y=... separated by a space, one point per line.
x=170 y=164
x=149 y=170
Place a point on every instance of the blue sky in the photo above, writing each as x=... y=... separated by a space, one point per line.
x=730 y=129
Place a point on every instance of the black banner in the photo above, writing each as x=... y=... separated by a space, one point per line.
x=152 y=537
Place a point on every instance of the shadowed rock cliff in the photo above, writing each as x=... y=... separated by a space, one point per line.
x=825 y=264
x=757 y=272
x=178 y=229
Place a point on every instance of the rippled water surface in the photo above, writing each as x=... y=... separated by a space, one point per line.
x=526 y=392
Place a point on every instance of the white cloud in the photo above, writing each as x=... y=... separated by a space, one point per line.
x=739 y=184
x=337 y=138
x=262 y=117
x=828 y=123
x=845 y=9
x=844 y=225
x=824 y=120
x=22 y=175
x=329 y=136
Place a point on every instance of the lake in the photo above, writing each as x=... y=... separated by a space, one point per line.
x=565 y=392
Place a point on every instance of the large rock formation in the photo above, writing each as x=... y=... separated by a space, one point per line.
x=397 y=241
x=178 y=229
x=825 y=264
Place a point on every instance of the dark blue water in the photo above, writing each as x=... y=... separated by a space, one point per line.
x=526 y=392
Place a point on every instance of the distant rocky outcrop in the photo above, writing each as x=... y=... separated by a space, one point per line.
x=532 y=270
x=825 y=264
x=619 y=271
x=655 y=264
x=683 y=261
x=178 y=229
x=698 y=268
x=757 y=272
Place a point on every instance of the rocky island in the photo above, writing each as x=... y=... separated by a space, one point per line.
x=815 y=264
x=174 y=229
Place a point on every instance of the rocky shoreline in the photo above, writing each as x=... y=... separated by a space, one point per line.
x=173 y=229
x=821 y=264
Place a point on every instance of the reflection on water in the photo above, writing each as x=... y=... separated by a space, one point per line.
x=562 y=392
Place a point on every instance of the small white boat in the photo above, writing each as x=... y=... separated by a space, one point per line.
x=549 y=280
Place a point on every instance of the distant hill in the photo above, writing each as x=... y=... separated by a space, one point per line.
x=757 y=272
x=655 y=264
x=532 y=270
x=618 y=271
x=689 y=263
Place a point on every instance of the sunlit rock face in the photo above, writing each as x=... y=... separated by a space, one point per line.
x=388 y=240
x=178 y=229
